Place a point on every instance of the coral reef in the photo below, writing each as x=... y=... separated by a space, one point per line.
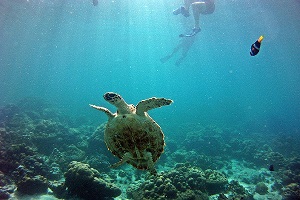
x=21 y=160
x=85 y=182
x=59 y=189
x=215 y=181
x=37 y=143
x=183 y=182
x=6 y=187
x=291 y=191
x=26 y=168
x=237 y=191
x=261 y=188
x=32 y=185
x=291 y=173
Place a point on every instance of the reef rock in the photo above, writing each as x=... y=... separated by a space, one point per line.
x=237 y=191
x=291 y=191
x=32 y=185
x=183 y=182
x=261 y=188
x=86 y=183
x=215 y=181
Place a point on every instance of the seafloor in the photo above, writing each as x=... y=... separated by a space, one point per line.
x=45 y=154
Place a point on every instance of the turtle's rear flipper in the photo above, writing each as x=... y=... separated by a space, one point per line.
x=153 y=172
x=151 y=168
x=125 y=158
x=148 y=104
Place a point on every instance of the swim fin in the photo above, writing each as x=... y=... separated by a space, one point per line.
x=194 y=32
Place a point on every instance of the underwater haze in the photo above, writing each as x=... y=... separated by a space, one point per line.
x=232 y=132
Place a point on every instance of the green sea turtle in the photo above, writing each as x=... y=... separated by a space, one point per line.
x=131 y=134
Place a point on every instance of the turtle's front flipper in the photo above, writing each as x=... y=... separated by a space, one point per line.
x=105 y=110
x=148 y=104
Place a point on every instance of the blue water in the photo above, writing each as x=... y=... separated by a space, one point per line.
x=71 y=52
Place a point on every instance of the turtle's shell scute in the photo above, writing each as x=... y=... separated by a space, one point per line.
x=134 y=134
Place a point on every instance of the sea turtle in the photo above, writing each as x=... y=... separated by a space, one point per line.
x=131 y=134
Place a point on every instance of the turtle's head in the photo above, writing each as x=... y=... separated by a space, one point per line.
x=112 y=97
x=116 y=100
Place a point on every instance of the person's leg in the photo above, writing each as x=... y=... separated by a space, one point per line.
x=166 y=58
x=184 y=10
x=95 y=2
x=198 y=7
x=187 y=4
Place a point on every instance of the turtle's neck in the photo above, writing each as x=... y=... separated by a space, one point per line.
x=123 y=107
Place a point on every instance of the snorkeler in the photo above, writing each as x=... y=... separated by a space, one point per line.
x=203 y=7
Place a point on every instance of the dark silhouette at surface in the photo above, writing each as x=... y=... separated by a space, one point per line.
x=95 y=2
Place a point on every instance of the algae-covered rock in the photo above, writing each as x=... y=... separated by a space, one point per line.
x=183 y=182
x=85 y=182
x=261 y=188
x=237 y=191
x=291 y=191
x=215 y=181
x=59 y=189
x=32 y=185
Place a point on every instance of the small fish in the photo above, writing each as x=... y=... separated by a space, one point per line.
x=271 y=168
x=255 y=47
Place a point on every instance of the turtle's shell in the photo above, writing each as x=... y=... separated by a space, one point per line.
x=134 y=134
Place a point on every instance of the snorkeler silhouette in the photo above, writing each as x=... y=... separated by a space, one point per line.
x=185 y=45
x=203 y=7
